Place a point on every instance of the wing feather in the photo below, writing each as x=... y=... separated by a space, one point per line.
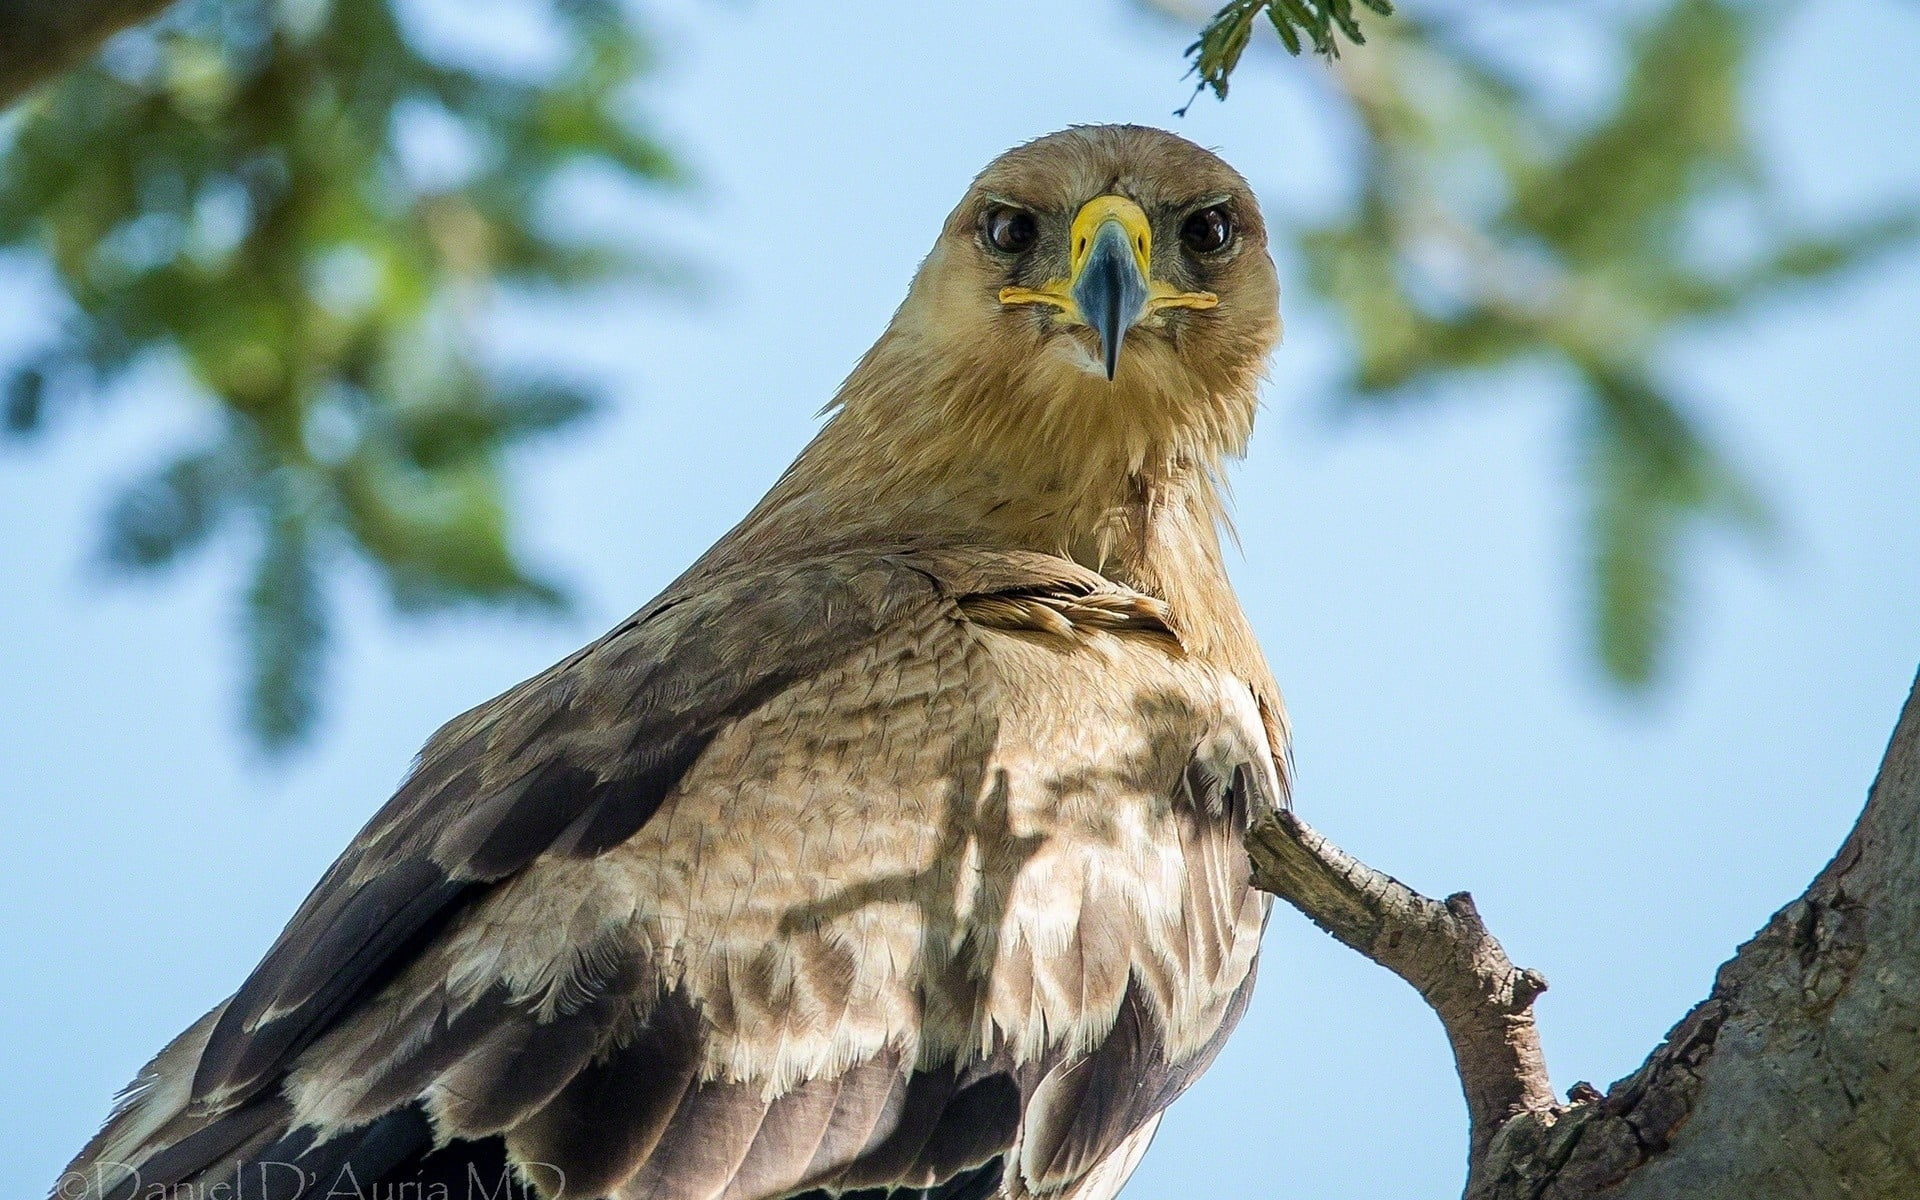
x=571 y=762
x=1019 y=958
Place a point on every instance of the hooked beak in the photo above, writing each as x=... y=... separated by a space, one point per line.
x=1109 y=286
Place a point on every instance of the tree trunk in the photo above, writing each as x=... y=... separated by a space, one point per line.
x=1798 y=1077
x=41 y=38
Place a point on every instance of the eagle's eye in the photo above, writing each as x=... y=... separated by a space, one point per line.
x=1009 y=229
x=1207 y=231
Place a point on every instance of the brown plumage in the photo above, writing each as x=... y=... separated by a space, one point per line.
x=895 y=846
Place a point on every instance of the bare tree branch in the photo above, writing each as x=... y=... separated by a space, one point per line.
x=1442 y=948
x=1799 y=1077
x=41 y=38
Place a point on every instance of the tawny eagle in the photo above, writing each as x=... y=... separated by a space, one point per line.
x=893 y=851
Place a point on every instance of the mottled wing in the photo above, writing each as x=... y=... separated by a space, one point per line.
x=566 y=764
x=880 y=871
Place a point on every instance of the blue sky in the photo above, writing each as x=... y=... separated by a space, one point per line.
x=1415 y=580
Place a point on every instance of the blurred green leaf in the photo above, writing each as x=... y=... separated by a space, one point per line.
x=1489 y=233
x=286 y=628
x=231 y=188
x=156 y=519
x=26 y=398
x=1650 y=476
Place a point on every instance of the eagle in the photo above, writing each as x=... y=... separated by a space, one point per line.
x=894 y=850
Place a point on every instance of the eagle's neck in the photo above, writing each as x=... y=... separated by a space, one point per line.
x=1097 y=509
x=1143 y=508
x=1127 y=483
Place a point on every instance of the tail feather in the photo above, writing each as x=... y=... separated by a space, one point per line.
x=297 y=1166
x=148 y=1115
x=223 y=1142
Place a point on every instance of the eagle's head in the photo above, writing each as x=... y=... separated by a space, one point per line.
x=1089 y=331
x=1119 y=251
x=1103 y=293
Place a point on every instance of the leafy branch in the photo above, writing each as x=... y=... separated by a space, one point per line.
x=228 y=190
x=1488 y=234
x=1299 y=23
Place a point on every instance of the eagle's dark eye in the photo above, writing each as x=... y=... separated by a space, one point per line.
x=1207 y=231
x=1010 y=229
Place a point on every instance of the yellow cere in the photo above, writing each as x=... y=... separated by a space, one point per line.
x=1086 y=227
x=1123 y=212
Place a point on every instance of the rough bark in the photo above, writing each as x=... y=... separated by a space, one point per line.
x=41 y=38
x=1798 y=1077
